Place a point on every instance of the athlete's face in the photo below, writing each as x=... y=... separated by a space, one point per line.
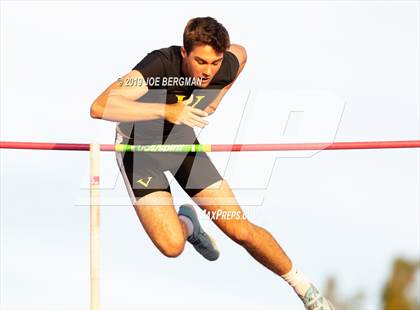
x=202 y=62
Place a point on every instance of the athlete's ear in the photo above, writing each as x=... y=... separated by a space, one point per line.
x=183 y=52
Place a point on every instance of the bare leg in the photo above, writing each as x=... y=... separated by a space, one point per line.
x=256 y=240
x=160 y=221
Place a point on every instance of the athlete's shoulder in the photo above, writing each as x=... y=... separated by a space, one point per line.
x=169 y=54
x=233 y=61
x=239 y=52
x=160 y=62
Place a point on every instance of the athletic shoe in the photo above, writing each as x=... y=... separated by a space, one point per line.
x=313 y=300
x=201 y=241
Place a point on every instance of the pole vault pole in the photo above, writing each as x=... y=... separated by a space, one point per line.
x=95 y=152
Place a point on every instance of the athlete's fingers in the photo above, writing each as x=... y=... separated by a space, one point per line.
x=196 y=123
x=192 y=123
x=199 y=112
x=188 y=123
x=199 y=119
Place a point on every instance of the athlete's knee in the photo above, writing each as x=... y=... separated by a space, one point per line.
x=171 y=246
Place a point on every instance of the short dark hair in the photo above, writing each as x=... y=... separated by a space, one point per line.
x=205 y=31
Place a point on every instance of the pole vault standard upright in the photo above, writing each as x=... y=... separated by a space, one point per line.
x=95 y=150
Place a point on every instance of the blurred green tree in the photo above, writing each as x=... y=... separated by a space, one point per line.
x=352 y=302
x=401 y=291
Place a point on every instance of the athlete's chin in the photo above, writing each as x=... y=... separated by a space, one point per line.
x=204 y=83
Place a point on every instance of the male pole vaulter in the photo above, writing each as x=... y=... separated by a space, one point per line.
x=160 y=102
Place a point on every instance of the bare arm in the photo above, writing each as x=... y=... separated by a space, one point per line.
x=118 y=103
x=240 y=53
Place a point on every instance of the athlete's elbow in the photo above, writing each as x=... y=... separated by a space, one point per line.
x=210 y=110
x=96 y=111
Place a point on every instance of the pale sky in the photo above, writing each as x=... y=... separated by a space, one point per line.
x=342 y=71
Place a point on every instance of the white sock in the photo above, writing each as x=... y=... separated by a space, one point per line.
x=188 y=223
x=297 y=281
